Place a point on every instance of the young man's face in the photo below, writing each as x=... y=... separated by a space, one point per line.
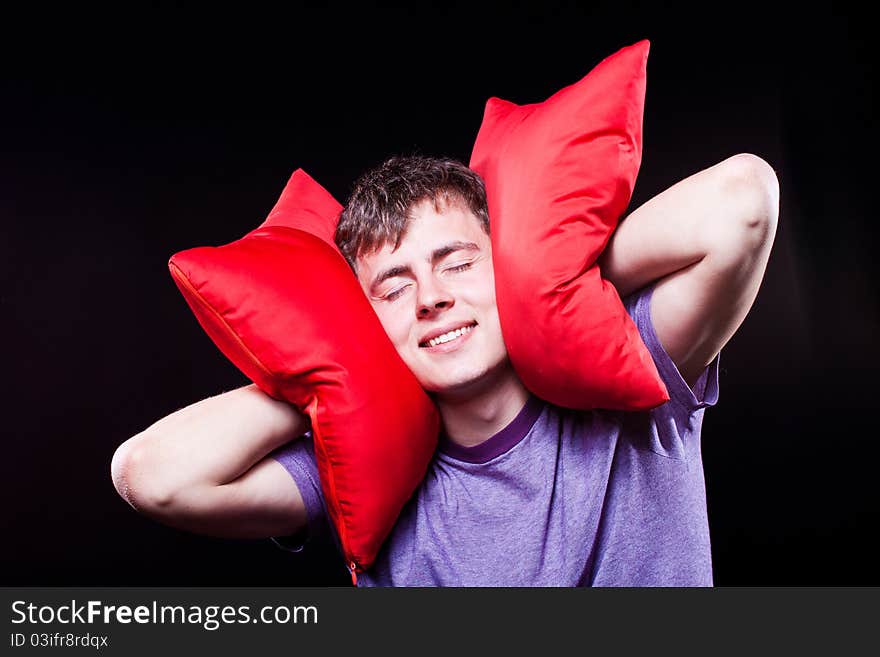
x=435 y=296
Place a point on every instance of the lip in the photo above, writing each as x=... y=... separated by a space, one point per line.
x=444 y=329
x=453 y=344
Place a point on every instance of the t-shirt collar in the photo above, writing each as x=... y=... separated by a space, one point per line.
x=499 y=443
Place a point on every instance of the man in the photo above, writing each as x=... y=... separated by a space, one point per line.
x=520 y=492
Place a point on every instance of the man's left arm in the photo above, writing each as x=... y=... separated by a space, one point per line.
x=706 y=242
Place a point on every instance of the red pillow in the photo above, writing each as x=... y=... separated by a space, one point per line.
x=559 y=174
x=283 y=305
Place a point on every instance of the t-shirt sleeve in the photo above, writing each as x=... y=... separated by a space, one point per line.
x=705 y=390
x=676 y=424
x=298 y=458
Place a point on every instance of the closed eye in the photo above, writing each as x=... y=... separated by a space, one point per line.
x=394 y=294
x=391 y=296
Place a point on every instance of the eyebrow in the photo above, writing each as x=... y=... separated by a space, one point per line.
x=436 y=255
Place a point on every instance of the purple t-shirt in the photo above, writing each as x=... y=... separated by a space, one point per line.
x=556 y=498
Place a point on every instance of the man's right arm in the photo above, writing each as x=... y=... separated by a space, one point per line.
x=206 y=469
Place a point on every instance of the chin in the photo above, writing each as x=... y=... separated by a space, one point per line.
x=471 y=382
x=458 y=387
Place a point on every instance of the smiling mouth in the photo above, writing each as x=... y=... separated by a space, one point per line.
x=448 y=337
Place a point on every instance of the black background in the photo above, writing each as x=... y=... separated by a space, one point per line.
x=131 y=133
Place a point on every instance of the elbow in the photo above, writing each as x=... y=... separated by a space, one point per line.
x=753 y=190
x=751 y=196
x=137 y=479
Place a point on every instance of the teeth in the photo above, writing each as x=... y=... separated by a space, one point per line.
x=446 y=337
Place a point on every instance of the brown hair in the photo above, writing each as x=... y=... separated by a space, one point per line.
x=380 y=206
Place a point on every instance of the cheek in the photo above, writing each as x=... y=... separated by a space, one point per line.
x=482 y=284
x=395 y=324
x=484 y=294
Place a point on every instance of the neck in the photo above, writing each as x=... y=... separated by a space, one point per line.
x=472 y=417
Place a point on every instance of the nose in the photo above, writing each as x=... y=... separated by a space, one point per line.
x=432 y=297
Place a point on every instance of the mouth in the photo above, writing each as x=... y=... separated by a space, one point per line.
x=449 y=340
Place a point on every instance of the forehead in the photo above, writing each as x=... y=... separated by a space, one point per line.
x=429 y=228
